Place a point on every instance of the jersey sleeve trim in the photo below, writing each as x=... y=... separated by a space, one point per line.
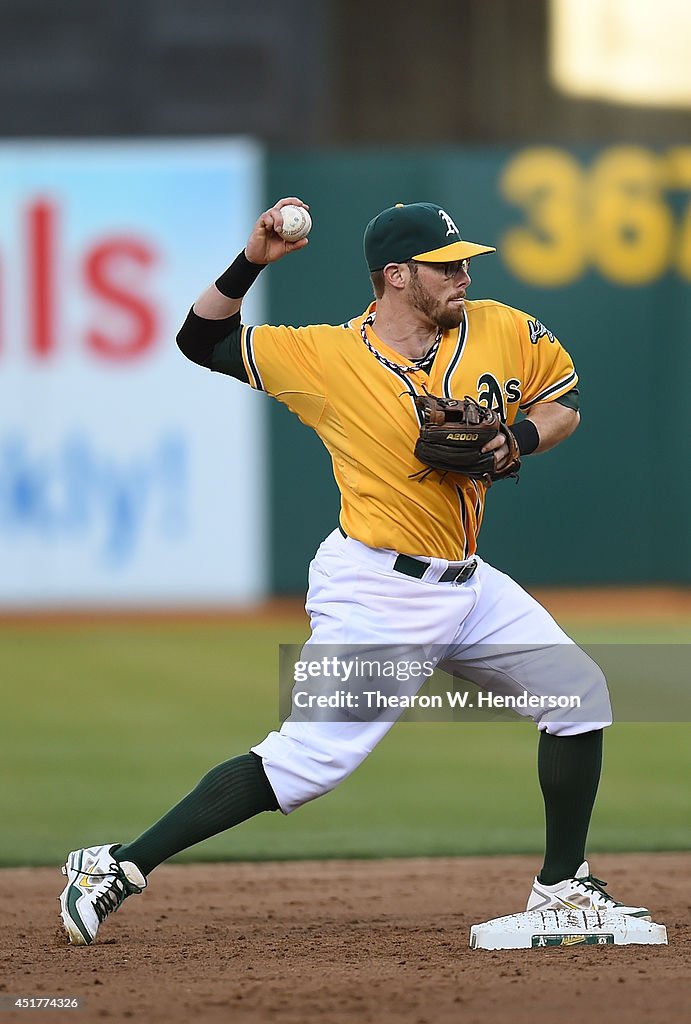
x=250 y=361
x=553 y=391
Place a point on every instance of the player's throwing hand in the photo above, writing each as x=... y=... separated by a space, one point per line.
x=265 y=244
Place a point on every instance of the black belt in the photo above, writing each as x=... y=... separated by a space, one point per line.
x=410 y=566
x=417 y=567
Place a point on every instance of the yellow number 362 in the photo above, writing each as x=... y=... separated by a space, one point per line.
x=613 y=217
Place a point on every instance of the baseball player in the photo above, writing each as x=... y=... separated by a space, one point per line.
x=402 y=566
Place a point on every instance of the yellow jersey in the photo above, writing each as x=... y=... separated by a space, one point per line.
x=357 y=393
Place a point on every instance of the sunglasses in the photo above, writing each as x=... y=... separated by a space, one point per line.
x=449 y=270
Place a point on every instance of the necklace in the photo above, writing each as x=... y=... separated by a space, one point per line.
x=418 y=364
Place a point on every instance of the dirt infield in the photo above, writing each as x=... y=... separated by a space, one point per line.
x=604 y=605
x=340 y=941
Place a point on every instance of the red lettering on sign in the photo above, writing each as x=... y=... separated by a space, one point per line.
x=41 y=217
x=105 y=266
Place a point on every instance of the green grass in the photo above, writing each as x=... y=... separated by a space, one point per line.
x=103 y=728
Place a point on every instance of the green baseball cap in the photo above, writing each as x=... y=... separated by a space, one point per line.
x=416 y=231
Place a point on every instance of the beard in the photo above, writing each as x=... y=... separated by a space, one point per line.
x=448 y=319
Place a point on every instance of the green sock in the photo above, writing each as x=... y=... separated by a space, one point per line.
x=230 y=793
x=569 y=772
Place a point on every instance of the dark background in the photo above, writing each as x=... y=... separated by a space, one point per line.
x=299 y=72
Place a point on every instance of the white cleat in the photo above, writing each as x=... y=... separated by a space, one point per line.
x=96 y=886
x=582 y=892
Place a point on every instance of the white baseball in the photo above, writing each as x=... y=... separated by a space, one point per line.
x=297 y=223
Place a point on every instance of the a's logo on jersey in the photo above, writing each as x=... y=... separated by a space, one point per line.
x=451 y=228
x=493 y=395
x=537 y=331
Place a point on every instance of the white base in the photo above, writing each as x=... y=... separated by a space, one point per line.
x=542 y=928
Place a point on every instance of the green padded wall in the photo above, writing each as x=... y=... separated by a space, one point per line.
x=591 y=244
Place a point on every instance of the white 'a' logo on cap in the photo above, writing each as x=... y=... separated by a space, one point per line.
x=451 y=228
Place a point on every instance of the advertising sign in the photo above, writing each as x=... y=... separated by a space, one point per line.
x=124 y=473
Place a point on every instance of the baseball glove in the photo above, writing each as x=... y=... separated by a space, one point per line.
x=452 y=434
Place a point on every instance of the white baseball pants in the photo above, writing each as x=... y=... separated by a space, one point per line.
x=495 y=633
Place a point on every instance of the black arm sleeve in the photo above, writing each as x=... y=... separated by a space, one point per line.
x=571 y=400
x=214 y=344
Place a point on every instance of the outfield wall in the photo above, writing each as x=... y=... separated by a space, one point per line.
x=597 y=245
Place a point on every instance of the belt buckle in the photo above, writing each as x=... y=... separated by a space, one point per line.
x=465 y=572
